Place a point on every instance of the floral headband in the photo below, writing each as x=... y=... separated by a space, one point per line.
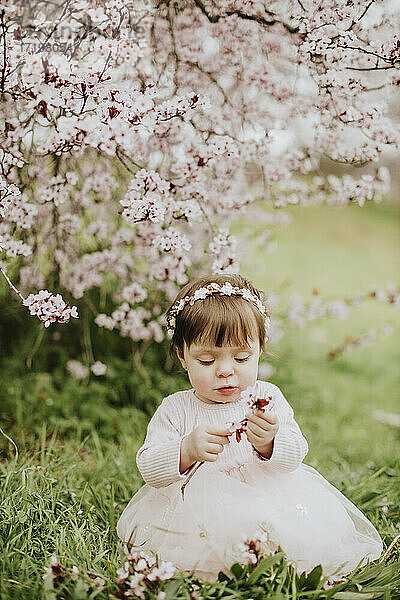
x=213 y=288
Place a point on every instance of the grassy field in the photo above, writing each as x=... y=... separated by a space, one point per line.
x=68 y=449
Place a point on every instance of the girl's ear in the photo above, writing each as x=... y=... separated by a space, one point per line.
x=181 y=360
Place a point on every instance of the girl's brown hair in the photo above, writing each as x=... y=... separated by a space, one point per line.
x=218 y=319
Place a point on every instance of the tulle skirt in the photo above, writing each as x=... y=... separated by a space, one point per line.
x=203 y=533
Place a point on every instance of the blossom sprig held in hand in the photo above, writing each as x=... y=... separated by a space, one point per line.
x=254 y=403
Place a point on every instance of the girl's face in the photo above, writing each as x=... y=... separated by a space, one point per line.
x=219 y=374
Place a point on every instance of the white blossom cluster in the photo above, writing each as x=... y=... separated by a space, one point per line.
x=223 y=247
x=136 y=323
x=7 y=193
x=80 y=371
x=133 y=293
x=140 y=570
x=146 y=198
x=333 y=190
x=14 y=247
x=173 y=241
x=251 y=549
x=49 y=308
x=77 y=369
x=15 y=211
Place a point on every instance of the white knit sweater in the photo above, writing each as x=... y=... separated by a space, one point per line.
x=178 y=414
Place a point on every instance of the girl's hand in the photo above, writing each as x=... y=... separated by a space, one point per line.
x=206 y=442
x=261 y=430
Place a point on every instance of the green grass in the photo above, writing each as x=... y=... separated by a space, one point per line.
x=72 y=469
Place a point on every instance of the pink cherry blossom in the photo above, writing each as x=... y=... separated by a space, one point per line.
x=130 y=150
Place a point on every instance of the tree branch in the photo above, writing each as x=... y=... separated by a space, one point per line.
x=271 y=20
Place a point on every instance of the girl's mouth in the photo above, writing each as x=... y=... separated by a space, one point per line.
x=227 y=389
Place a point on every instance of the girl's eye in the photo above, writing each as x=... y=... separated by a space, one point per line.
x=205 y=362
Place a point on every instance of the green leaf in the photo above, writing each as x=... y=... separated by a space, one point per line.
x=171 y=589
x=355 y=596
x=370 y=573
x=264 y=565
x=300 y=581
x=388 y=575
x=223 y=576
x=314 y=577
x=237 y=570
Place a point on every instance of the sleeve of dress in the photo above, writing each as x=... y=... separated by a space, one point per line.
x=159 y=457
x=290 y=446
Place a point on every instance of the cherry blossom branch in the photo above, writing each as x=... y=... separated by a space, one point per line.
x=378 y=56
x=3 y=71
x=362 y=340
x=48 y=308
x=12 y=285
x=361 y=16
x=299 y=312
x=174 y=53
x=194 y=65
x=57 y=23
x=258 y=18
x=369 y=69
x=366 y=10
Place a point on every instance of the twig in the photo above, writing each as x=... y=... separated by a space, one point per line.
x=396 y=539
x=188 y=478
x=3 y=71
x=12 y=285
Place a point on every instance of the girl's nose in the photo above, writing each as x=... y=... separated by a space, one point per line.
x=224 y=370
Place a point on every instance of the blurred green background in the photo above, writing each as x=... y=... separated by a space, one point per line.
x=340 y=253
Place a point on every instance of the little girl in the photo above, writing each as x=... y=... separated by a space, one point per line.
x=247 y=484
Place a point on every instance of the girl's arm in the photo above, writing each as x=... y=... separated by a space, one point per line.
x=289 y=445
x=158 y=459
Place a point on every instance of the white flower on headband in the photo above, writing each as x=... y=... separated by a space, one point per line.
x=200 y=294
x=247 y=295
x=226 y=290
x=180 y=305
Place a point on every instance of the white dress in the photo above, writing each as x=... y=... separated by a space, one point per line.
x=239 y=495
